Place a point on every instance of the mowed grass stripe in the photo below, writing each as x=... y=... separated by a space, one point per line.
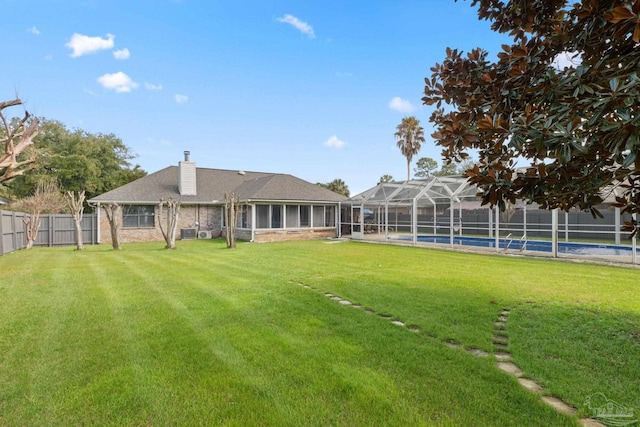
x=171 y=351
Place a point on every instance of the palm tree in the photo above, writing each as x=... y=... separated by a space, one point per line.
x=410 y=136
x=385 y=178
x=337 y=186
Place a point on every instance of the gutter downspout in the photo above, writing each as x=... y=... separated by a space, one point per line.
x=97 y=208
x=253 y=222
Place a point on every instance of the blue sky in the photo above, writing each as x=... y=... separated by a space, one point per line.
x=310 y=88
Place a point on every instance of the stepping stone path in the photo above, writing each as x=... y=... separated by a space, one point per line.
x=500 y=344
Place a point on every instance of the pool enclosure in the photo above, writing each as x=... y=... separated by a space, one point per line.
x=448 y=208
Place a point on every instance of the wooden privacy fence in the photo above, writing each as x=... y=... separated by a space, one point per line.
x=55 y=230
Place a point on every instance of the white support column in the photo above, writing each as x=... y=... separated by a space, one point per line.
x=253 y=222
x=98 y=224
x=460 y=218
x=386 y=221
x=490 y=222
x=566 y=226
x=414 y=220
x=524 y=219
x=497 y=231
x=554 y=233
x=435 y=219
x=634 y=245
x=617 y=230
x=451 y=216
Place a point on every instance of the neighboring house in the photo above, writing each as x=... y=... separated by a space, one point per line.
x=4 y=201
x=272 y=206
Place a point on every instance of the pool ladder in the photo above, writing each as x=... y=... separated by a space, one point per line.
x=522 y=240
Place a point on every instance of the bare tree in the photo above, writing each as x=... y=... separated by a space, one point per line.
x=173 y=210
x=76 y=207
x=231 y=202
x=113 y=212
x=16 y=138
x=45 y=199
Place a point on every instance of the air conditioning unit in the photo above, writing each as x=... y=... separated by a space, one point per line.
x=188 y=233
x=204 y=234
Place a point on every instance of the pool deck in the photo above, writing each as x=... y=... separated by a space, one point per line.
x=617 y=260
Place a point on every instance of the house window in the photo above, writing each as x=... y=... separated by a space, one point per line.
x=276 y=216
x=292 y=216
x=262 y=216
x=138 y=216
x=318 y=216
x=330 y=216
x=305 y=216
x=245 y=216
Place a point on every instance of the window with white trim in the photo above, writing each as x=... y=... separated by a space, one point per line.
x=138 y=216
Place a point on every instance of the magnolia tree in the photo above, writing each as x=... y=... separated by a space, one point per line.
x=575 y=126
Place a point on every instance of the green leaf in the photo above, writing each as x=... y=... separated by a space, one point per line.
x=614 y=83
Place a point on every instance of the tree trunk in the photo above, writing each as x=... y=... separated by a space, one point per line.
x=76 y=206
x=112 y=210
x=31 y=225
x=173 y=210
x=230 y=210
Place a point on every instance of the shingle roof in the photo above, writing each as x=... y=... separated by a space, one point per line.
x=213 y=184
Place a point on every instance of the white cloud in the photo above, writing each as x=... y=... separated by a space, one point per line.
x=119 y=82
x=401 y=105
x=82 y=45
x=181 y=99
x=299 y=25
x=151 y=86
x=334 y=142
x=122 y=53
x=34 y=30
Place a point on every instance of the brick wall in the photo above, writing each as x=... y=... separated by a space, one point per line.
x=207 y=218
x=203 y=218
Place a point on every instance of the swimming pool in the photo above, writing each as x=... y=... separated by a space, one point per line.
x=529 y=245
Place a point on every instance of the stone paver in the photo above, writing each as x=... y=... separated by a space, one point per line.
x=345 y=302
x=589 y=422
x=502 y=356
x=510 y=368
x=477 y=352
x=398 y=323
x=559 y=405
x=530 y=385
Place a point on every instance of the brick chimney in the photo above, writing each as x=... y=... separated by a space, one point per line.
x=187 y=176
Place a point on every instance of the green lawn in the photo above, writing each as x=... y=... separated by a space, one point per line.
x=208 y=336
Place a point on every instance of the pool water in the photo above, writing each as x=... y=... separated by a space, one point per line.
x=529 y=245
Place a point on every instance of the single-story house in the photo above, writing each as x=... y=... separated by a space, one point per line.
x=272 y=206
x=4 y=201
